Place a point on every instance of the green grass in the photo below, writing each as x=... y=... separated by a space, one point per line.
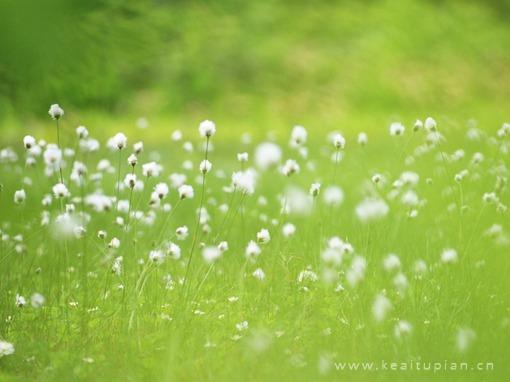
x=148 y=332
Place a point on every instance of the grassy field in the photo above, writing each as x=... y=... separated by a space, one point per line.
x=325 y=291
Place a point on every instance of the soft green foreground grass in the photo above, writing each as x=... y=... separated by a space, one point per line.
x=90 y=329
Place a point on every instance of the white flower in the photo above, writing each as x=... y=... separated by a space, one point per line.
x=244 y=181
x=60 y=190
x=298 y=135
x=315 y=189
x=242 y=326
x=161 y=190
x=211 y=254
x=288 y=229
x=114 y=243
x=223 y=246
x=307 y=275
x=185 y=192
x=174 y=251
x=362 y=139
x=396 y=128
x=252 y=250
x=177 y=135
x=267 y=154
x=290 y=167
x=37 y=300
x=402 y=328
x=181 y=232
x=381 y=307
x=29 y=141
x=205 y=166
x=465 y=337
x=138 y=147
x=430 y=124
x=117 y=265
x=177 y=180
x=263 y=236
x=242 y=157
x=20 y=301
x=55 y=111
x=391 y=262
x=157 y=256
x=20 y=196
x=207 y=128
x=338 y=140
x=151 y=169
x=52 y=155
x=132 y=160
x=418 y=125
x=371 y=209
x=118 y=141
x=6 y=348
x=82 y=132
x=449 y=255
x=259 y=274
x=333 y=195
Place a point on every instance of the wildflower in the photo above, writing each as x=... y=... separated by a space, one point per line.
x=207 y=128
x=402 y=328
x=185 y=192
x=391 y=262
x=176 y=135
x=132 y=160
x=117 y=265
x=267 y=154
x=60 y=190
x=101 y=234
x=118 y=141
x=6 y=348
x=114 y=243
x=333 y=195
x=290 y=167
x=205 y=166
x=263 y=236
x=55 y=111
x=430 y=124
x=223 y=246
x=307 y=275
x=52 y=155
x=182 y=232
x=211 y=254
x=252 y=250
x=174 y=251
x=449 y=255
x=242 y=326
x=381 y=307
x=371 y=209
x=418 y=125
x=130 y=180
x=138 y=147
x=315 y=189
x=29 y=142
x=82 y=132
x=259 y=274
x=161 y=190
x=151 y=169
x=338 y=141
x=464 y=338
x=177 y=180
x=157 y=256
x=298 y=135
x=362 y=139
x=20 y=301
x=37 y=300
x=377 y=178
x=288 y=229
x=244 y=181
x=20 y=196
x=242 y=157
x=396 y=128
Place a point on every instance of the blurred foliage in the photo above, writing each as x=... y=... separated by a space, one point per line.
x=292 y=58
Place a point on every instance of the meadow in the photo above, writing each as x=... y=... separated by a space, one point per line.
x=261 y=191
x=305 y=258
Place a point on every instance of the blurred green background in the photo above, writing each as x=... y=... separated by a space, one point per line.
x=257 y=65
